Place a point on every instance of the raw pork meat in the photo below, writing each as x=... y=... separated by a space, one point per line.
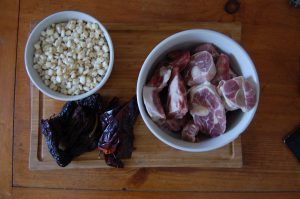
x=179 y=59
x=201 y=68
x=174 y=54
x=176 y=102
x=223 y=69
x=189 y=132
x=209 y=48
x=153 y=103
x=151 y=93
x=174 y=125
x=160 y=77
x=207 y=109
x=238 y=93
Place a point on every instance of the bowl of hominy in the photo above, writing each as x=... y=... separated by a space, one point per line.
x=69 y=55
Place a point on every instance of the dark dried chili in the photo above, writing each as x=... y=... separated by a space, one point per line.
x=84 y=124
x=74 y=130
x=117 y=139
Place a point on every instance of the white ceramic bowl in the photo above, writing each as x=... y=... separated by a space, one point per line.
x=241 y=63
x=34 y=37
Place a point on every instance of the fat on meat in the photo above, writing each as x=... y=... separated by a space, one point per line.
x=153 y=103
x=207 y=109
x=160 y=78
x=177 y=101
x=201 y=68
x=151 y=91
x=238 y=93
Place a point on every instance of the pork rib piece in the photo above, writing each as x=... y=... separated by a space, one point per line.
x=189 y=132
x=151 y=91
x=201 y=68
x=209 y=48
x=177 y=102
x=153 y=103
x=237 y=93
x=160 y=78
x=207 y=109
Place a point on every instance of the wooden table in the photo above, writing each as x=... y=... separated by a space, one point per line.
x=271 y=35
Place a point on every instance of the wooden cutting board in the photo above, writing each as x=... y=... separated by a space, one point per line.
x=132 y=43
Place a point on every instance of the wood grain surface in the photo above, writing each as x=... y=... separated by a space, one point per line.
x=23 y=193
x=268 y=165
x=8 y=43
x=149 y=151
x=270 y=35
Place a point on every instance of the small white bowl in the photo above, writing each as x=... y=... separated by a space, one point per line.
x=34 y=37
x=241 y=63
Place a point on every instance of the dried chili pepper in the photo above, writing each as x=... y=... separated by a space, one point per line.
x=84 y=124
x=117 y=139
x=74 y=130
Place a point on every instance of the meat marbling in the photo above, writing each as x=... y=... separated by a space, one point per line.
x=160 y=78
x=238 y=93
x=207 y=109
x=201 y=68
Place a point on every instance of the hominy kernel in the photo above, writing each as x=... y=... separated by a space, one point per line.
x=104 y=64
x=86 y=88
x=47 y=82
x=105 y=55
x=105 y=48
x=37 y=45
x=99 y=78
x=58 y=79
x=101 y=72
x=49 y=32
x=82 y=80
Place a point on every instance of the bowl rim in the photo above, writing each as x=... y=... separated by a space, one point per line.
x=144 y=113
x=61 y=96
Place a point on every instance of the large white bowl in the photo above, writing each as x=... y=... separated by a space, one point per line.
x=241 y=63
x=34 y=37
